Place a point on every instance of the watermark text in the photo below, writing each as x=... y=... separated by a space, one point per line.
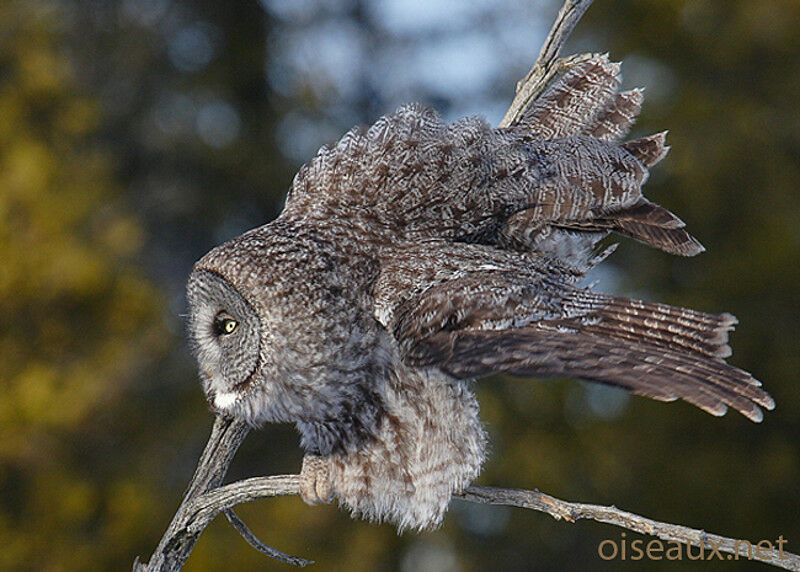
x=657 y=549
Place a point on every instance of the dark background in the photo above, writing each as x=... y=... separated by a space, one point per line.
x=137 y=134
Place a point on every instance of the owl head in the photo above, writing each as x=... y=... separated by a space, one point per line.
x=274 y=335
x=237 y=304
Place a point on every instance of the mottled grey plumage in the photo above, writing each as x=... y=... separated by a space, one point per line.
x=414 y=256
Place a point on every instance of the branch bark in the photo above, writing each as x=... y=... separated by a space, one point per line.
x=175 y=546
x=205 y=498
x=196 y=513
x=573 y=511
x=206 y=507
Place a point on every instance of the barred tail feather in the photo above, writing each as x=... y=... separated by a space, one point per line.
x=616 y=119
x=662 y=325
x=649 y=150
x=585 y=101
x=674 y=241
x=655 y=350
x=654 y=225
x=575 y=100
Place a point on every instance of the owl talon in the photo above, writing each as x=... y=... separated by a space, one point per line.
x=315 y=480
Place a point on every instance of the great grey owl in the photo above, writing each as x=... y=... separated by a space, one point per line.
x=415 y=256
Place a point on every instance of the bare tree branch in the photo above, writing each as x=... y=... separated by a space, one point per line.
x=547 y=65
x=204 y=508
x=205 y=498
x=172 y=551
x=572 y=511
x=256 y=543
x=202 y=505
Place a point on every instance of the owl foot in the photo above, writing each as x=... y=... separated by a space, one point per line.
x=315 y=480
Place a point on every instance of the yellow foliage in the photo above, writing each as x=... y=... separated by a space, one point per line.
x=78 y=319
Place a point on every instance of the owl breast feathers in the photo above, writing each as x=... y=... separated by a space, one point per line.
x=416 y=256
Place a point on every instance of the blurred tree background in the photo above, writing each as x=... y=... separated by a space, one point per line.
x=137 y=134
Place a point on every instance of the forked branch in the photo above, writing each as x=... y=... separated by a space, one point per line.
x=207 y=506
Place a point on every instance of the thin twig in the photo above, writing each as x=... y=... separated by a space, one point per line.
x=691 y=537
x=256 y=543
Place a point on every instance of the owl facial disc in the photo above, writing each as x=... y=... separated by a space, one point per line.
x=224 y=329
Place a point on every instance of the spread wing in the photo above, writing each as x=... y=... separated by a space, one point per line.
x=471 y=311
x=411 y=177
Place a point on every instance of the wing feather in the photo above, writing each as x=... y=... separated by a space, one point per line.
x=641 y=369
x=508 y=316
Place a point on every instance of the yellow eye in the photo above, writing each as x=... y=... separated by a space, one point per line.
x=224 y=325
